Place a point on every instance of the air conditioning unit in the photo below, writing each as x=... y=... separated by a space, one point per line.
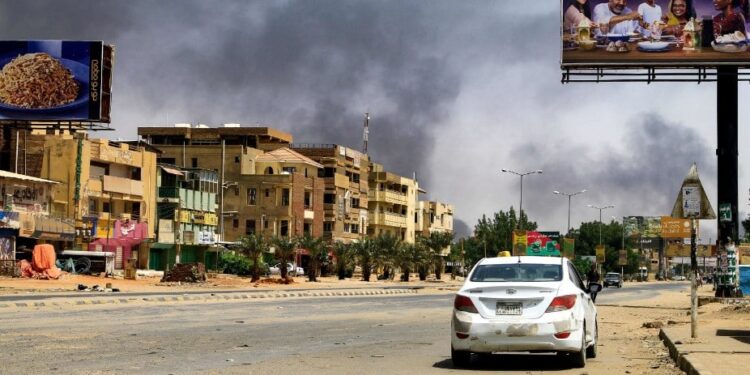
x=231 y=125
x=182 y=125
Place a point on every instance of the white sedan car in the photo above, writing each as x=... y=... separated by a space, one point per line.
x=524 y=304
x=291 y=270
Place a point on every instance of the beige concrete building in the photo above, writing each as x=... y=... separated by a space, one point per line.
x=392 y=204
x=108 y=188
x=345 y=174
x=433 y=216
x=267 y=188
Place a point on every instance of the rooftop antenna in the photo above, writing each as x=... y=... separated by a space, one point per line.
x=366 y=132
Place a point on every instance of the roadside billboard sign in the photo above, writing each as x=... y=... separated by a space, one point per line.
x=675 y=227
x=622 y=260
x=53 y=80
x=686 y=34
x=642 y=226
x=600 y=254
x=543 y=243
x=519 y=242
x=569 y=248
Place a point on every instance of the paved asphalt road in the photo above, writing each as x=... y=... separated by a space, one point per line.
x=331 y=335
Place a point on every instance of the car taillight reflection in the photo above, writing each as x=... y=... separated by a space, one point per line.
x=463 y=303
x=562 y=303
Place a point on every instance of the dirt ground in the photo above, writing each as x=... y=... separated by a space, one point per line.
x=69 y=283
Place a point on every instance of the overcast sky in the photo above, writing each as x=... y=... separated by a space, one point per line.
x=457 y=90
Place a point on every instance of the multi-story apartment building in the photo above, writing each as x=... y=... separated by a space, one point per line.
x=345 y=173
x=264 y=186
x=107 y=187
x=433 y=216
x=392 y=202
x=186 y=209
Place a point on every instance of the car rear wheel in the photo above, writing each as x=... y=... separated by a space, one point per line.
x=591 y=350
x=578 y=359
x=460 y=358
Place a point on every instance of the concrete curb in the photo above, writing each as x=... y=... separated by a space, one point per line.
x=682 y=359
x=727 y=301
x=208 y=297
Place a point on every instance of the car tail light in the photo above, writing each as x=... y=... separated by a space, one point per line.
x=562 y=335
x=562 y=303
x=463 y=303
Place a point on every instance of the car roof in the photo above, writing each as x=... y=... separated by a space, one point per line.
x=522 y=259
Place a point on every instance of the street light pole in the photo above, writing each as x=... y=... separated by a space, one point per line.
x=569 y=195
x=600 y=218
x=520 y=205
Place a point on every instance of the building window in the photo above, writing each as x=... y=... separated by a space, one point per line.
x=265 y=224
x=249 y=226
x=269 y=170
x=307 y=228
x=308 y=199
x=355 y=177
x=328 y=226
x=105 y=207
x=284 y=197
x=284 y=232
x=355 y=202
x=290 y=170
x=235 y=223
x=194 y=162
x=251 y=196
x=135 y=174
x=92 y=206
x=236 y=159
x=346 y=227
x=268 y=193
x=355 y=228
x=329 y=198
x=329 y=172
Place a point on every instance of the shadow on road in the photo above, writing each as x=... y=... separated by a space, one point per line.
x=512 y=362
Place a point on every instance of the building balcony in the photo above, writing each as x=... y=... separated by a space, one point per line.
x=169 y=192
x=388 y=219
x=387 y=196
x=122 y=185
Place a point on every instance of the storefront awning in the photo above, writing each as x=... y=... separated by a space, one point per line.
x=173 y=171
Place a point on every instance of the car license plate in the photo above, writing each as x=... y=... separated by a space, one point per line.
x=508 y=308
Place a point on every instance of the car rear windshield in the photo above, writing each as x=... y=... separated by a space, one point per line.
x=514 y=272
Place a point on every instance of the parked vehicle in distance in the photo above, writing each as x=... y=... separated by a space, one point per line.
x=291 y=270
x=678 y=278
x=524 y=304
x=612 y=279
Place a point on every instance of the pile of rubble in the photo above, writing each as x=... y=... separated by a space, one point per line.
x=186 y=272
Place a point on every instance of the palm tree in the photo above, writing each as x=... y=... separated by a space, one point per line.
x=404 y=260
x=317 y=248
x=385 y=246
x=284 y=253
x=363 y=251
x=344 y=258
x=436 y=242
x=253 y=247
x=422 y=258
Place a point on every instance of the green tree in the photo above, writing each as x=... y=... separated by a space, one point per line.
x=435 y=243
x=496 y=233
x=344 y=257
x=318 y=251
x=746 y=226
x=364 y=253
x=385 y=249
x=253 y=247
x=284 y=253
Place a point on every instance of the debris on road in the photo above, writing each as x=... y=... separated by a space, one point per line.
x=186 y=272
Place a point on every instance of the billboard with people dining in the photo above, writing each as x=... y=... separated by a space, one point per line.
x=637 y=33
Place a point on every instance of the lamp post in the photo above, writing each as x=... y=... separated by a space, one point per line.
x=569 y=195
x=600 y=217
x=520 y=205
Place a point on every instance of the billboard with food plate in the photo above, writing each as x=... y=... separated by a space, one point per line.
x=52 y=80
x=638 y=33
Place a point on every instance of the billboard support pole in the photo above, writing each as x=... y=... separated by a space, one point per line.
x=727 y=151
